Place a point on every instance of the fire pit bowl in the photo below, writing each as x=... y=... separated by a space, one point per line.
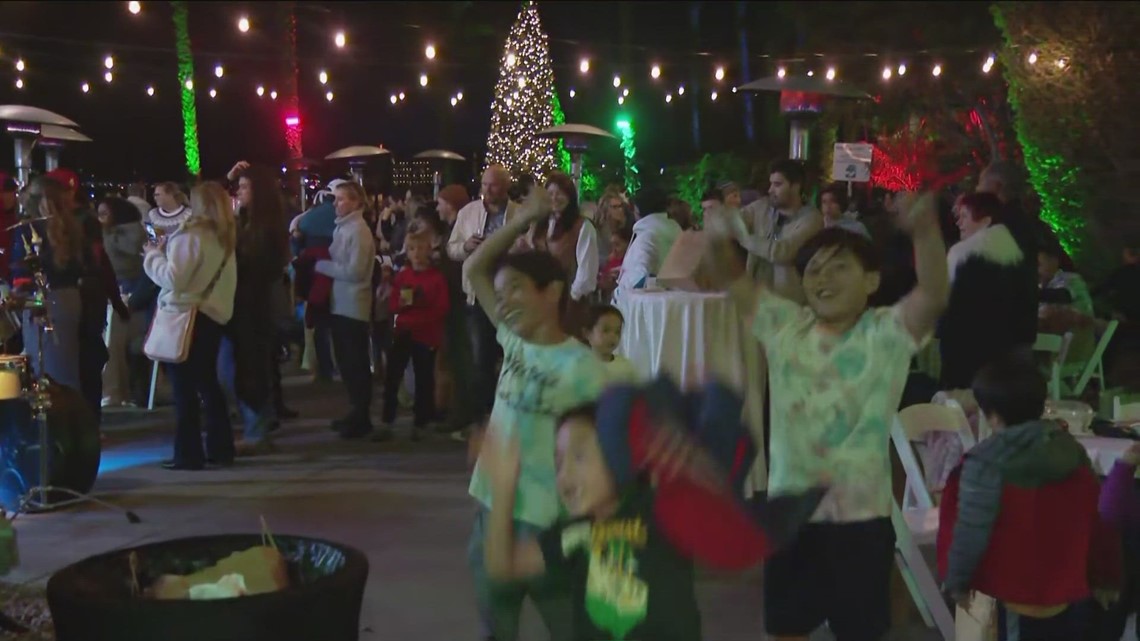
x=92 y=600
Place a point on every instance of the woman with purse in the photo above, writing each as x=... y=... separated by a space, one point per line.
x=195 y=268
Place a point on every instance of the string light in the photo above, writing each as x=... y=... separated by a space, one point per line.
x=134 y=7
x=886 y=73
x=340 y=41
x=811 y=73
x=511 y=60
x=681 y=90
x=655 y=72
x=719 y=75
x=936 y=71
x=423 y=80
x=831 y=73
x=85 y=87
x=454 y=102
x=401 y=95
x=213 y=93
x=273 y=95
x=713 y=96
x=19 y=83
x=392 y=99
x=260 y=91
x=1033 y=58
x=617 y=81
x=329 y=96
x=734 y=90
x=584 y=65
x=108 y=76
x=1061 y=63
x=625 y=92
x=459 y=96
x=621 y=100
x=781 y=72
x=668 y=97
x=989 y=64
x=323 y=76
x=522 y=82
x=243 y=24
x=429 y=52
x=572 y=92
x=109 y=62
x=219 y=70
x=150 y=91
x=19 y=64
x=902 y=69
x=190 y=84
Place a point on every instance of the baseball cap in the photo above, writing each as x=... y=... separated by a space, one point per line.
x=65 y=177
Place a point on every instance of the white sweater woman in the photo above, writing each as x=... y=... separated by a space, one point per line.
x=185 y=269
x=351 y=256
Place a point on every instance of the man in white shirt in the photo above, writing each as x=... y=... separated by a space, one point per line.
x=653 y=236
x=473 y=224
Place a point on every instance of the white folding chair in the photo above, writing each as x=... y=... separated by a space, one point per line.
x=919 y=525
x=1057 y=347
x=1095 y=365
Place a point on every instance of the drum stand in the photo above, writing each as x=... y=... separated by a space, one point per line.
x=37 y=498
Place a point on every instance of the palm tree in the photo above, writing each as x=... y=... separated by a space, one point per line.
x=186 y=84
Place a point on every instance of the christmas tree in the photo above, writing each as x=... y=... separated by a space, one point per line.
x=523 y=100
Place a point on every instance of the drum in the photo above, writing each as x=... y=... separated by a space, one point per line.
x=73 y=438
x=13 y=376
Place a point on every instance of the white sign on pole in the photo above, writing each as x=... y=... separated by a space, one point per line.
x=852 y=162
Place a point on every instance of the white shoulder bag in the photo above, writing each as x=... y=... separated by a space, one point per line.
x=172 y=330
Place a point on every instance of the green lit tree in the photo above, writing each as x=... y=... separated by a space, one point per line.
x=186 y=86
x=523 y=102
x=559 y=118
x=629 y=153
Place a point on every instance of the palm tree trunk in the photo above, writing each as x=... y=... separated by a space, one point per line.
x=186 y=86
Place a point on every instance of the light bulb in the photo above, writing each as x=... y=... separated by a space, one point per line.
x=936 y=71
x=1033 y=58
x=617 y=81
x=734 y=90
x=989 y=64
x=323 y=77
x=886 y=73
x=573 y=93
x=655 y=72
x=260 y=91
x=584 y=65
x=243 y=24
x=134 y=7
x=20 y=64
x=19 y=83
x=219 y=70
x=109 y=62
x=510 y=60
x=719 y=73
x=393 y=99
x=713 y=96
x=213 y=93
x=902 y=69
x=781 y=72
x=459 y=96
x=831 y=73
x=190 y=84
x=1061 y=63
x=621 y=100
x=625 y=92
x=811 y=73
x=454 y=102
x=668 y=97
x=273 y=95
x=150 y=91
x=329 y=96
x=429 y=52
x=401 y=95
x=681 y=90
x=108 y=76
x=340 y=40
x=423 y=80
x=522 y=82
x=85 y=87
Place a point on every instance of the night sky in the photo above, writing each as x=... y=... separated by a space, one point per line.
x=64 y=44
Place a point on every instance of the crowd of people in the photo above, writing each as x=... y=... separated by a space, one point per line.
x=506 y=311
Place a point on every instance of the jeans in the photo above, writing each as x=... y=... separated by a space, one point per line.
x=423 y=364
x=1070 y=625
x=350 y=346
x=322 y=347
x=485 y=352
x=255 y=421
x=196 y=388
x=500 y=604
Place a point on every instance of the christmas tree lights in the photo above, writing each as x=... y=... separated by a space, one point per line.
x=523 y=100
x=186 y=84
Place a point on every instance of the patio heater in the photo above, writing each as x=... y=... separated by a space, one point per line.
x=357 y=157
x=576 y=139
x=53 y=138
x=24 y=123
x=802 y=99
x=438 y=155
x=303 y=167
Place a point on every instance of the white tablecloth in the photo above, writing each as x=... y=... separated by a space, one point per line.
x=1104 y=451
x=694 y=335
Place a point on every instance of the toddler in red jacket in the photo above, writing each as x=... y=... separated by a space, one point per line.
x=419 y=305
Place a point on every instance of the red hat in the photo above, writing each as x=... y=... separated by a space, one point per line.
x=65 y=177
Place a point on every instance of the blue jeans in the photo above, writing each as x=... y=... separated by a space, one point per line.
x=256 y=421
x=500 y=604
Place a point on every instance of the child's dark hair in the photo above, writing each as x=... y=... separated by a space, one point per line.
x=838 y=193
x=839 y=239
x=540 y=267
x=585 y=412
x=1011 y=387
x=600 y=311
